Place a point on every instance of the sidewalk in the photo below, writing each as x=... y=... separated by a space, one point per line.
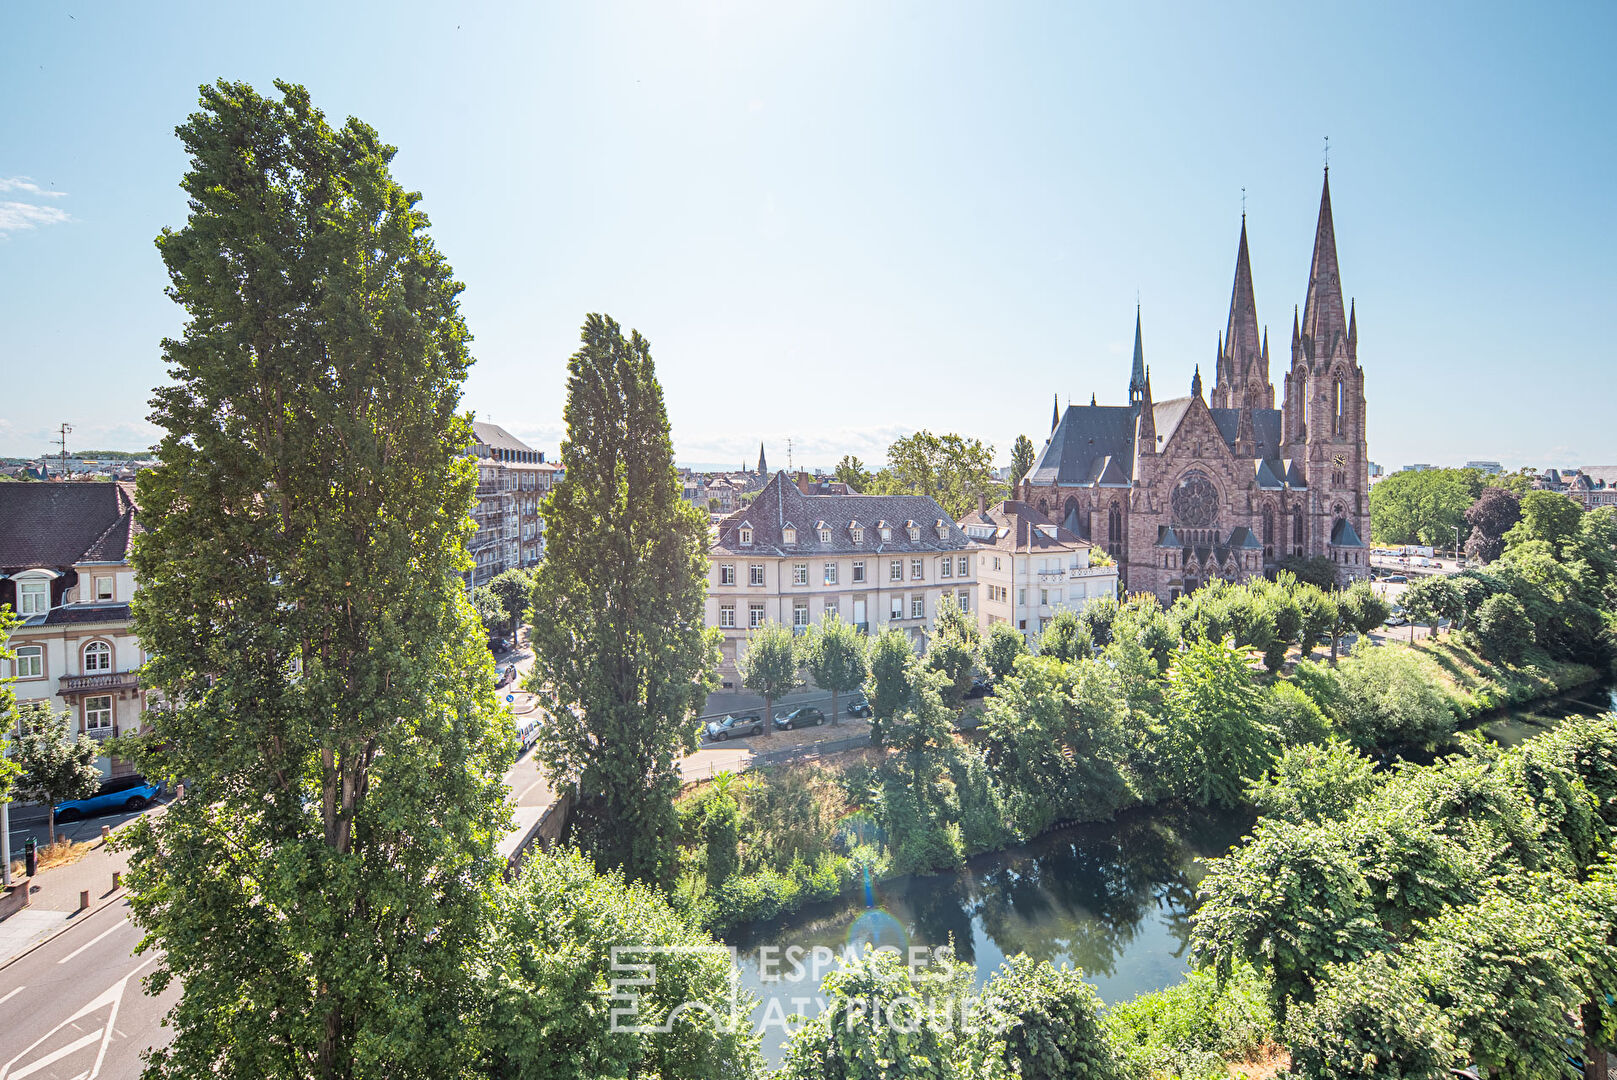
x=53 y=901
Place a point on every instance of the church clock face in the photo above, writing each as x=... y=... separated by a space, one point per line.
x=1194 y=501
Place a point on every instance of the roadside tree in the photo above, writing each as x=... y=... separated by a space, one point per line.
x=837 y=656
x=52 y=766
x=771 y=665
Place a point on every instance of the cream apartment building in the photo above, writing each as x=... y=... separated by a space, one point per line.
x=878 y=561
x=64 y=569
x=1029 y=568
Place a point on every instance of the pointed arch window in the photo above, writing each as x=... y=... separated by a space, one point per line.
x=1114 y=529
x=1297 y=531
x=1338 y=405
x=1268 y=532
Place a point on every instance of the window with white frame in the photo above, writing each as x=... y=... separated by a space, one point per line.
x=104 y=588
x=746 y=536
x=1021 y=597
x=800 y=613
x=33 y=597
x=887 y=534
x=755 y=573
x=788 y=536
x=755 y=615
x=858 y=536
x=996 y=562
x=859 y=572
x=915 y=532
x=727 y=573
x=800 y=573
x=896 y=570
x=832 y=607
x=825 y=536
x=963 y=567
x=898 y=607
x=964 y=599
x=29 y=661
x=97 y=657
x=918 y=569
x=918 y=606
x=830 y=573
x=98 y=714
x=727 y=616
x=1044 y=597
x=946 y=567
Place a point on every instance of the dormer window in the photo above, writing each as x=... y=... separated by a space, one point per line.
x=943 y=531
x=825 y=533
x=858 y=535
x=887 y=534
x=746 y=535
x=788 y=535
x=915 y=532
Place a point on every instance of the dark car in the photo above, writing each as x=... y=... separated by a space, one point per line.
x=497 y=644
x=123 y=793
x=980 y=686
x=1397 y=579
x=735 y=726
x=807 y=716
x=859 y=706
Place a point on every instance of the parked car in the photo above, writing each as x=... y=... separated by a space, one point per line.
x=1397 y=579
x=527 y=730
x=735 y=726
x=1397 y=618
x=980 y=686
x=497 y=644
x=807 y=716
x=859 y=706
x=123 y=793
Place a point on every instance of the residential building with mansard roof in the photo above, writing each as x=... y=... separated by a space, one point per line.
x=1029 y=569
x=791 y=556
x=65 y=571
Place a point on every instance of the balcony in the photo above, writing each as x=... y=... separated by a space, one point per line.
x=109 y=681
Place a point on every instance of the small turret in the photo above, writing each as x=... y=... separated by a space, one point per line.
x=1055 y=412
x=1196 y=382
x=1353 y=330
x=1146 y=430
x=1137 y=373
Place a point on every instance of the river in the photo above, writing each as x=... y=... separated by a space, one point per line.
x=1113 y=898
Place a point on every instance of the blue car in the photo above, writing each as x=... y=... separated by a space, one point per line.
x=123 y=793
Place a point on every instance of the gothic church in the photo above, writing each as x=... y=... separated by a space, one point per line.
x=1189 y=489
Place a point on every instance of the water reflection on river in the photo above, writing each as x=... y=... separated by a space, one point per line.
x=1112 y=898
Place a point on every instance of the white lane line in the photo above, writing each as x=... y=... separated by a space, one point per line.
x=93 y=940
x=57 y=1055
x=10 y=995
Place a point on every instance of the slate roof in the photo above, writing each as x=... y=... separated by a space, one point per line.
x=77 y=614
x=58 y=525
x=779 y=504
x=1016 y=527
x=496 y=437
x=1090 y=442
x=1343 y=534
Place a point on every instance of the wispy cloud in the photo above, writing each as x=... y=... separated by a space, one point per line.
x=27 y=210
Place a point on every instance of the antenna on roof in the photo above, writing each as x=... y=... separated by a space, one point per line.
x=62 y=439
x=1327 y=153
x=1243 y=204
x=789 y=466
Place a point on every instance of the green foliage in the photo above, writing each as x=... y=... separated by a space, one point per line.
x=1097 y=617
x=325 y=691
x=1360 y=610
x=1423 y=507
x=953 y=651
x=1190 y=1029
x=513 y=588
x=491 y=613
x=1314 y=782
x=1216 y=736
x=837 y=656
x=1140 y=619
x=1315 y=570
x=721 y=830
x=1035 y=1021
x=1065 y=638
x=852 y=471
x=1002 y=648
x=51 y=765
x=1503 y=629
x=1386 y=695
x=949 y=468
x=9 y=769
x=548 y=1015
x=771 y=663
x=1547 y=516
x=1293 y=716
x=1371 y=1025
x=622 y=662
x=1319 y=618
x=1022 y=458
x=892 y=680
x=1432 y=599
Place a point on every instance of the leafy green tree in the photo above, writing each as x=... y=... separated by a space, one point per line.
x=1319 y=618
x=891 y=684
x=1216 y=736
x=1314 y=782
x=1549 y=516
x=1097 y=617
x=548 y=1015
x=953 y=651
x=1315 y=570
x=1503 y=629
x=771 y=665
x=1496 y=510
x=949 y=468
x=490 y=612
x=837 y=656
x=512 y=588
x=852 y=471
x=1433 y=599
x=1422 y=507
x=1294 y=717
x=9 y=769
x=620 y=656
x=1386 y=696
x=1361 y=609
x=51 y=765
x=1001 y=649
x=326 y=694
x=1371 y=1022
x=1036 y=1021
x=1021 y=459
x=1141 y=619
x=721 y=830
x=1065 y=638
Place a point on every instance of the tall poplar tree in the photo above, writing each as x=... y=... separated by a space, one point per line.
x=320 y=891
x=621 y=657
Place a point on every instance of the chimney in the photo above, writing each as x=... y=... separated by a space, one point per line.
x=982 y=503
x=805 y=483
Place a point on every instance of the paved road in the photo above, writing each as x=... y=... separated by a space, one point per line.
x=75 y=1008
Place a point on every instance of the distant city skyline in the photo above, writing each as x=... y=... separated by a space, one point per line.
x=844 y=223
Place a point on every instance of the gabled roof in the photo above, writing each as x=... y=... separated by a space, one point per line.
x=1086 y=436
x=780 y=502
x=1343 y=534
x=1169 y=538
x=496 y=437
x=58 y=525
x=1020 y=527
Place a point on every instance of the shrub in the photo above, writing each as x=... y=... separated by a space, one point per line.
x=1503 y=629
x=1043 y=1022
x=1192 y=1028
x=1388 y=695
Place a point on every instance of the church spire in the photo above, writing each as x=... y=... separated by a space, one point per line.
x=763 y=467
x=1324 y=321
x=1241 y=333
x=1055 y=412
x=1137 y=376
x=1353 y=331
x=1196 y=382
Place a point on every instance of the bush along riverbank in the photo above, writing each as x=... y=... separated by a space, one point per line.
x=1154 y=714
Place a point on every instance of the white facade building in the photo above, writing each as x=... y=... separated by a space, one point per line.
x=1029 y=568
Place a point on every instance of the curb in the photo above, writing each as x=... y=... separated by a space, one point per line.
x=78 y=919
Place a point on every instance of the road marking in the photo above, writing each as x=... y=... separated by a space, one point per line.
x=10 y=995
x=93 y=940
x=113 y=996
x=57 y=1055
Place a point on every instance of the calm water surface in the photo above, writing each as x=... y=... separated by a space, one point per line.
x=1112 y=898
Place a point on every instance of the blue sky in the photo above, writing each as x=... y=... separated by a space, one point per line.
x=838 y=223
